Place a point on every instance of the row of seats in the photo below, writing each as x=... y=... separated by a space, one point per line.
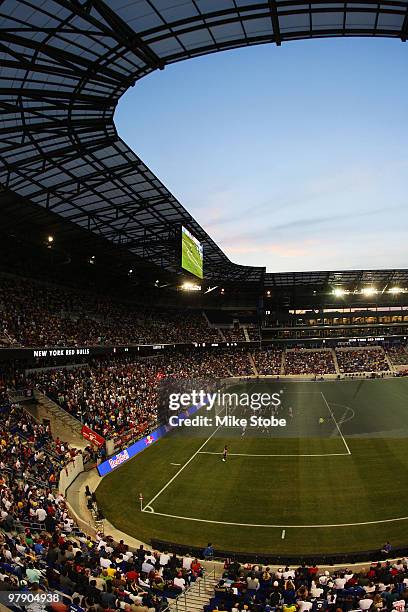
x=254 y=588
x=42 y=549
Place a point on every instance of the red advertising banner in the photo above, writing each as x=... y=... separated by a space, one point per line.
x=93 y=437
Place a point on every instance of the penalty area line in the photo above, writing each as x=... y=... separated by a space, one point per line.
x=168 y=483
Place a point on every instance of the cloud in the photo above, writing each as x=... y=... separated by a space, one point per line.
x=296 y=194
x=306 y=224
x=287 y=250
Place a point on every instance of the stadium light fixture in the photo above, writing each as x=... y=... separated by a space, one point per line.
x=222 y=291
x=50 y=239
x=187 y=286
x=396 y=290
x=369 y=291
x=92 y=259
x=339 y=292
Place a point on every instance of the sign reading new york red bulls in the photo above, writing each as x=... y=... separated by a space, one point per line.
x=92 y=436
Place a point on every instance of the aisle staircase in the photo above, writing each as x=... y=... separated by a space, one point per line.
x=283 y=362
x=388 y=360
x=336 y=363
x=62 y=423
x=197 y=596
x=253 y=364
x=221 y=334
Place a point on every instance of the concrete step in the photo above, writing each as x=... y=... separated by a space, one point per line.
x=196 y=597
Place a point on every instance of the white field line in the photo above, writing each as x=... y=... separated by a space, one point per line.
x=335 y=422
x=148 y=507
x=197 y=520
x=341 y=419
x=279 y=455
x=181 y=469
x=349 y=418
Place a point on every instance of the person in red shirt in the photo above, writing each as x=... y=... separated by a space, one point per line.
x=196 y=568
x=132 y=575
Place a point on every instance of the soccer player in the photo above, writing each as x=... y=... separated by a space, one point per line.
x=225 y=453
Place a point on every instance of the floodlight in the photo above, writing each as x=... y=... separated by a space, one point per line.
x=187 y=286
x=369 y=291
x=395 y=290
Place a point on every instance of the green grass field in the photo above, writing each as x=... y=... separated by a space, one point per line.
x=336 y=486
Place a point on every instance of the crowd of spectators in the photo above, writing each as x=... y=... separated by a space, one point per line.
x=114 y=396
x=30 y=463
x=369 y=359
x=309 y=362
x=38 y=314
x=254 y=588
x=42 y=549
x=253 y=333
x=27 y=451
x=268 y=362
x=91 y=574
x=239 y=363
x=233 y=334
x=398 y=354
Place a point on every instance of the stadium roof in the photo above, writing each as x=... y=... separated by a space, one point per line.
x=348 y=279
x=65 y=64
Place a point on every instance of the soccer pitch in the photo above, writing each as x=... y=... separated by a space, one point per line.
x=333 y=480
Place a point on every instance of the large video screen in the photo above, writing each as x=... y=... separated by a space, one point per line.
x=191 y=253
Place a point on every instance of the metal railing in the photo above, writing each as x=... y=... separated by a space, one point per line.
x=199 y=587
